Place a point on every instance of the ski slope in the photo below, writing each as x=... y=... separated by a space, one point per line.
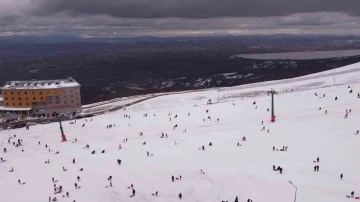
x=230 y=170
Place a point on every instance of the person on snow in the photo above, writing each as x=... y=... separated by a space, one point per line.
x=203 y=148
x=156 y=193
x=144 y=143
x=119 y=162
x=249 y=200
x=172 y=178
x=78 y=178
x=111 y=184
x=81 y=169
x=167 y=136
x=281 y=169
x=133 y=192
x=352 y=194
x=210 y=144
x=244 y=138
x=67 y=194
x=64 y=168
x=119 y=146
x=73 y=161
x=180 y=196
x=318 y=159
x=49 y=198
x=148 y=154
x=238 y=144
x=325 y=111
x=180 y=177
x=110 y=178
x=103 y=151
x=46 y=146
x=19 y=181
x=236 y=199
x=315 y=168
x=341 y=176
x=273 y=167
x=12 y=169
x=357 y=132
x=54 y=199
x=39 y=142
x=5 y=150
x=76 y=186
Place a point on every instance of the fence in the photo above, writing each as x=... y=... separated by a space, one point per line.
x=285 y=81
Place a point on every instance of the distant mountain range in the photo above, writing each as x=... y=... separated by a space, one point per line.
x=282 y=38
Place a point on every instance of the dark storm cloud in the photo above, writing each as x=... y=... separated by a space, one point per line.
x=194 y=8
x=106 y=18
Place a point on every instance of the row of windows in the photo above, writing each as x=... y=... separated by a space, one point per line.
x=19 y=98
x=41 y=103
x=26 y=93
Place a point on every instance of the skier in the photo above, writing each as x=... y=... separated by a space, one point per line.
x=357 y=132
x=325 y=111
x=76 y=186
x=236 y=199
x=133 y=192
x=203 y=148
x=103 y=151
x=210 y=144
x=180 y=196
x=73 y=161
x=148 y=153
x=318 y=159
x=317 y=168
x=49 y=198
x=119 y=146
x=336 y=98
x=78 y=178
x=119 y=162
x=156 y=193
x=67 y=194
x=172 y=178
x=341 y=176
x=352 y=194
x=19 y=181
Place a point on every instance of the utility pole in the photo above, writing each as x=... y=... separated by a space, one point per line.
x=272 y=92
x=63 y=137
x=295 y=189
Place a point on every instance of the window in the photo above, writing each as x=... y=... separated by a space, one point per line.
x=41 y=98
x=12 y=98
x=57 y=102
x=18 y=93
x=49 y=102
x=49 y=97
x=26 y=98
x=6 y=98
x=72 y=101
x=27 y=104
x=34 y=98
x=5 y=93
x=13 y=104
x=12 y=93
x=48 y=92
x=65 y=102
x=19 y=98
x=25 y=93
x=40 y=93
x=78 y=104
x=7 y=103
x=57 y=97
x=20 y=104
x=33 y=93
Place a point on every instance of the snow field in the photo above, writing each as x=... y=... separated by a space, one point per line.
x=230 y=171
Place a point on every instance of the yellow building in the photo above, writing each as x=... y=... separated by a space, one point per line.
x=45 y=97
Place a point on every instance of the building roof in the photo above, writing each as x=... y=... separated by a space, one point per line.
x=43 y=84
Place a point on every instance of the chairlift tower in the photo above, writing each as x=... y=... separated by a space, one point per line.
x=63 y=137
x=272 y=92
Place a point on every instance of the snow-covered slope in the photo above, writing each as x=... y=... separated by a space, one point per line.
x=230 y=170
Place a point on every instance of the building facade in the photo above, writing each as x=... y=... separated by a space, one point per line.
x=42 y=98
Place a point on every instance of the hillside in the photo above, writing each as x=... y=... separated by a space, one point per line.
x=245 y=171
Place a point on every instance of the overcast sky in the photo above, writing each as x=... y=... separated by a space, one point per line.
x=89 y=18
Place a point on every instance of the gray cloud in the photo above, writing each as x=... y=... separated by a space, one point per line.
x=194 y=8
x=178 y=17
